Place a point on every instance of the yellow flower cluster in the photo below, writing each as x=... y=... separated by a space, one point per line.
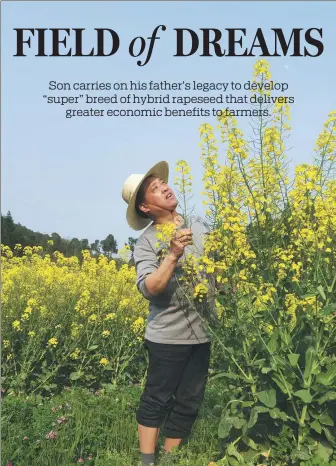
x=261 y=75
x=138 y=327
x=266 y=234
x=69 y=306
x=226 y=192
x=52 y=342
x=326 y=141
x=184 y=181
x=200 y=291
x=262 y=68
x=75 y=354
x=164 y=235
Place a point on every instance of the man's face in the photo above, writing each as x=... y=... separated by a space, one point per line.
x=159 y=198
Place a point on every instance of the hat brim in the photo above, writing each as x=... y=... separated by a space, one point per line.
x=159 y=170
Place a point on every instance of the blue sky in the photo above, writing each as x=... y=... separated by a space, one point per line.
x=66 y=175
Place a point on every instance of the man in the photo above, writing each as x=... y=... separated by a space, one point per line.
x=177 y=343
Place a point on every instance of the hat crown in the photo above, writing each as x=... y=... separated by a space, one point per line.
x=130 y=185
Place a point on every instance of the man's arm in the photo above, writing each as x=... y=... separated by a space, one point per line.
x=157 y=281
x=152 y=278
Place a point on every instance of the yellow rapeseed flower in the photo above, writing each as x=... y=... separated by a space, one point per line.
x=92 y=318
x=16 y=325
x=110 y=316
x=75 y=354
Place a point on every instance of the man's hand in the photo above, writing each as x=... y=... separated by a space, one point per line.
x=157 y=281
x=181 y=239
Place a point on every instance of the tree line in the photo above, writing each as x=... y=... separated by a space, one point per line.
x=14 y=233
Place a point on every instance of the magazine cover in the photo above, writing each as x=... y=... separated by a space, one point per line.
x=168 y=233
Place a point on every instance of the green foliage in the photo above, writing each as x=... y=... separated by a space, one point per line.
x=285 y=392
x=97 y=425
x=109 y=245
x=14 y=233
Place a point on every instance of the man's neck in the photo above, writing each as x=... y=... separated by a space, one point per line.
x=171 y=217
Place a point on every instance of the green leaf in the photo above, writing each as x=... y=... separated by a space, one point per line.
x=273 y=342
x=293 y=359
x=233 y=462
x=326 y=419
x=329 y=396
x=258 y=362
x=324 y=451
x=265 y=370
x=238 y=422
x=267 y=397
x=321 y=291
x=254 y=415
x=225 y=374
x=310 y=358
x=261 y=409
x=93 y=347
x=231 y=375
x=312 y=414
x=285 y=337
x=231 y=450
x=225 y=426
x=330 y=309
x=327 y=378
x=247 y=404
x=250 y=443
x=230 y=350
x=304 y=395
x=234 y=405
x=277 y=414
x=316 y=426
x=280 y=362
x=329 y=435
x=302 y=455
x=253 y=418
x=280 y=383
x=75 y=375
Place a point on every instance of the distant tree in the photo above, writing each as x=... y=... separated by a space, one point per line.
x=84 y=243
x=8 y=230
x=19 y=235
x=131 y=243
x=95 y=247
x=13 y=233
x=109 y=245
x=74 y=248
x=31 y=240
x=57 y=241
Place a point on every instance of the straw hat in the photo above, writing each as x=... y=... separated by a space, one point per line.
x=130 y=190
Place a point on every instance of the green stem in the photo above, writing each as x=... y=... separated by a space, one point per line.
x=302 y=423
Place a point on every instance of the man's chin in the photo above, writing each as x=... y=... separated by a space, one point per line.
x=174 y=204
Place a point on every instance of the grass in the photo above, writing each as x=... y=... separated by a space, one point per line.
x=99 y=428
